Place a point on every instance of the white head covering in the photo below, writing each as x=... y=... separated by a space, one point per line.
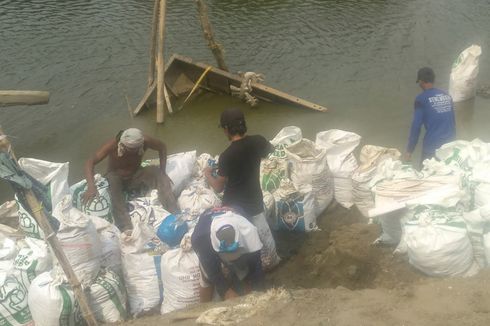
x=245 y=232
x=131 y=138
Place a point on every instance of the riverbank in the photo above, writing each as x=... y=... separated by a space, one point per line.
x=337 y=277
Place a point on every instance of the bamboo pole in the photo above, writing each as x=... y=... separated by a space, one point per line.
x=160 y=65
x=41 y=218
x=153 y=41
x=215 y=47
x=8 y=98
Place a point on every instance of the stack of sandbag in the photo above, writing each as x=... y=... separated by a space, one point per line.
x=142 y=269
x=371 y=156
x=79 y=240
x=107 y=297
x=339 y=146
x=181 y=277
x=180 y=169
x=463 y=78
x=52 y=302
x=310 y=172
x=101 y=205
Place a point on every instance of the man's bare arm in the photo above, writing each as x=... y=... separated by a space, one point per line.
x=160 y=147
x=99 y=155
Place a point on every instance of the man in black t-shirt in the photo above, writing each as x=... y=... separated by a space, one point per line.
x=239 y=177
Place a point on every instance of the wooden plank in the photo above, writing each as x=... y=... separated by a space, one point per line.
x=146 y=96
x=260 y=90
x=160 y=64
x=9 y=98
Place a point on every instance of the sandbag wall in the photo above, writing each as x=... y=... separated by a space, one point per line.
x=440 y=216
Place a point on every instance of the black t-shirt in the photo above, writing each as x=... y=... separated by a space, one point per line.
x=240 y=163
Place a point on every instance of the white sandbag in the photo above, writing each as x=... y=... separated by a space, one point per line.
x=294 y=211
x=339 y=146
x=369 y=159
x=52 y=302
x=53 y=175
x=180 y=169
x=438 y=246
x=78 y=239
x=194 y=200
x=14 y=308
x=48 y=173
x=273 y=169
x=310 y=172
x=147 y=210
x=32 y=260
x=287 y=136
x=463 y=78
x=395 y=184
x=268 y=253
x=141 y=269
x=101 y=205
x=181 y=277
x=107 y=297
x=109 y=237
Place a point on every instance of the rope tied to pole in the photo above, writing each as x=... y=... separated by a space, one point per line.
x=246 y=87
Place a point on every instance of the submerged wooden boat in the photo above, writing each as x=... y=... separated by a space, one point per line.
x=182 y=74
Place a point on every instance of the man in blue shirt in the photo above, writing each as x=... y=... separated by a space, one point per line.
x=434 y=109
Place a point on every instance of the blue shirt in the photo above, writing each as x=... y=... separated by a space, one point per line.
x=434 y=109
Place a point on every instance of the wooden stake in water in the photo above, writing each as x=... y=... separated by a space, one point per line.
x=160 y=65
x=215 y=47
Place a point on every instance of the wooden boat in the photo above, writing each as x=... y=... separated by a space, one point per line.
x=182 y=74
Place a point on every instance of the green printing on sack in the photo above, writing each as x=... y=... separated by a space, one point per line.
x=13 y=303
x=111 y=290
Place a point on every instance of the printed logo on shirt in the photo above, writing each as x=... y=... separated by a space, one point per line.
x=441 y=103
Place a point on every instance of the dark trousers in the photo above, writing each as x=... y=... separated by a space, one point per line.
x=146 y=178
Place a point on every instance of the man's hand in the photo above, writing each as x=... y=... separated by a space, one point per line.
x=230 y=294
x=89 y=195
x=208 y=171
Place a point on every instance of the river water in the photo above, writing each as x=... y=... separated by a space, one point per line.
x=357 y=57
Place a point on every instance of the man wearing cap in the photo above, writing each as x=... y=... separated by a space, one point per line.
x=222 y=237
x=435 y=111
x=125 y=153
x=239 y=177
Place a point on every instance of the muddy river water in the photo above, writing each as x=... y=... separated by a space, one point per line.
x=357 y=57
